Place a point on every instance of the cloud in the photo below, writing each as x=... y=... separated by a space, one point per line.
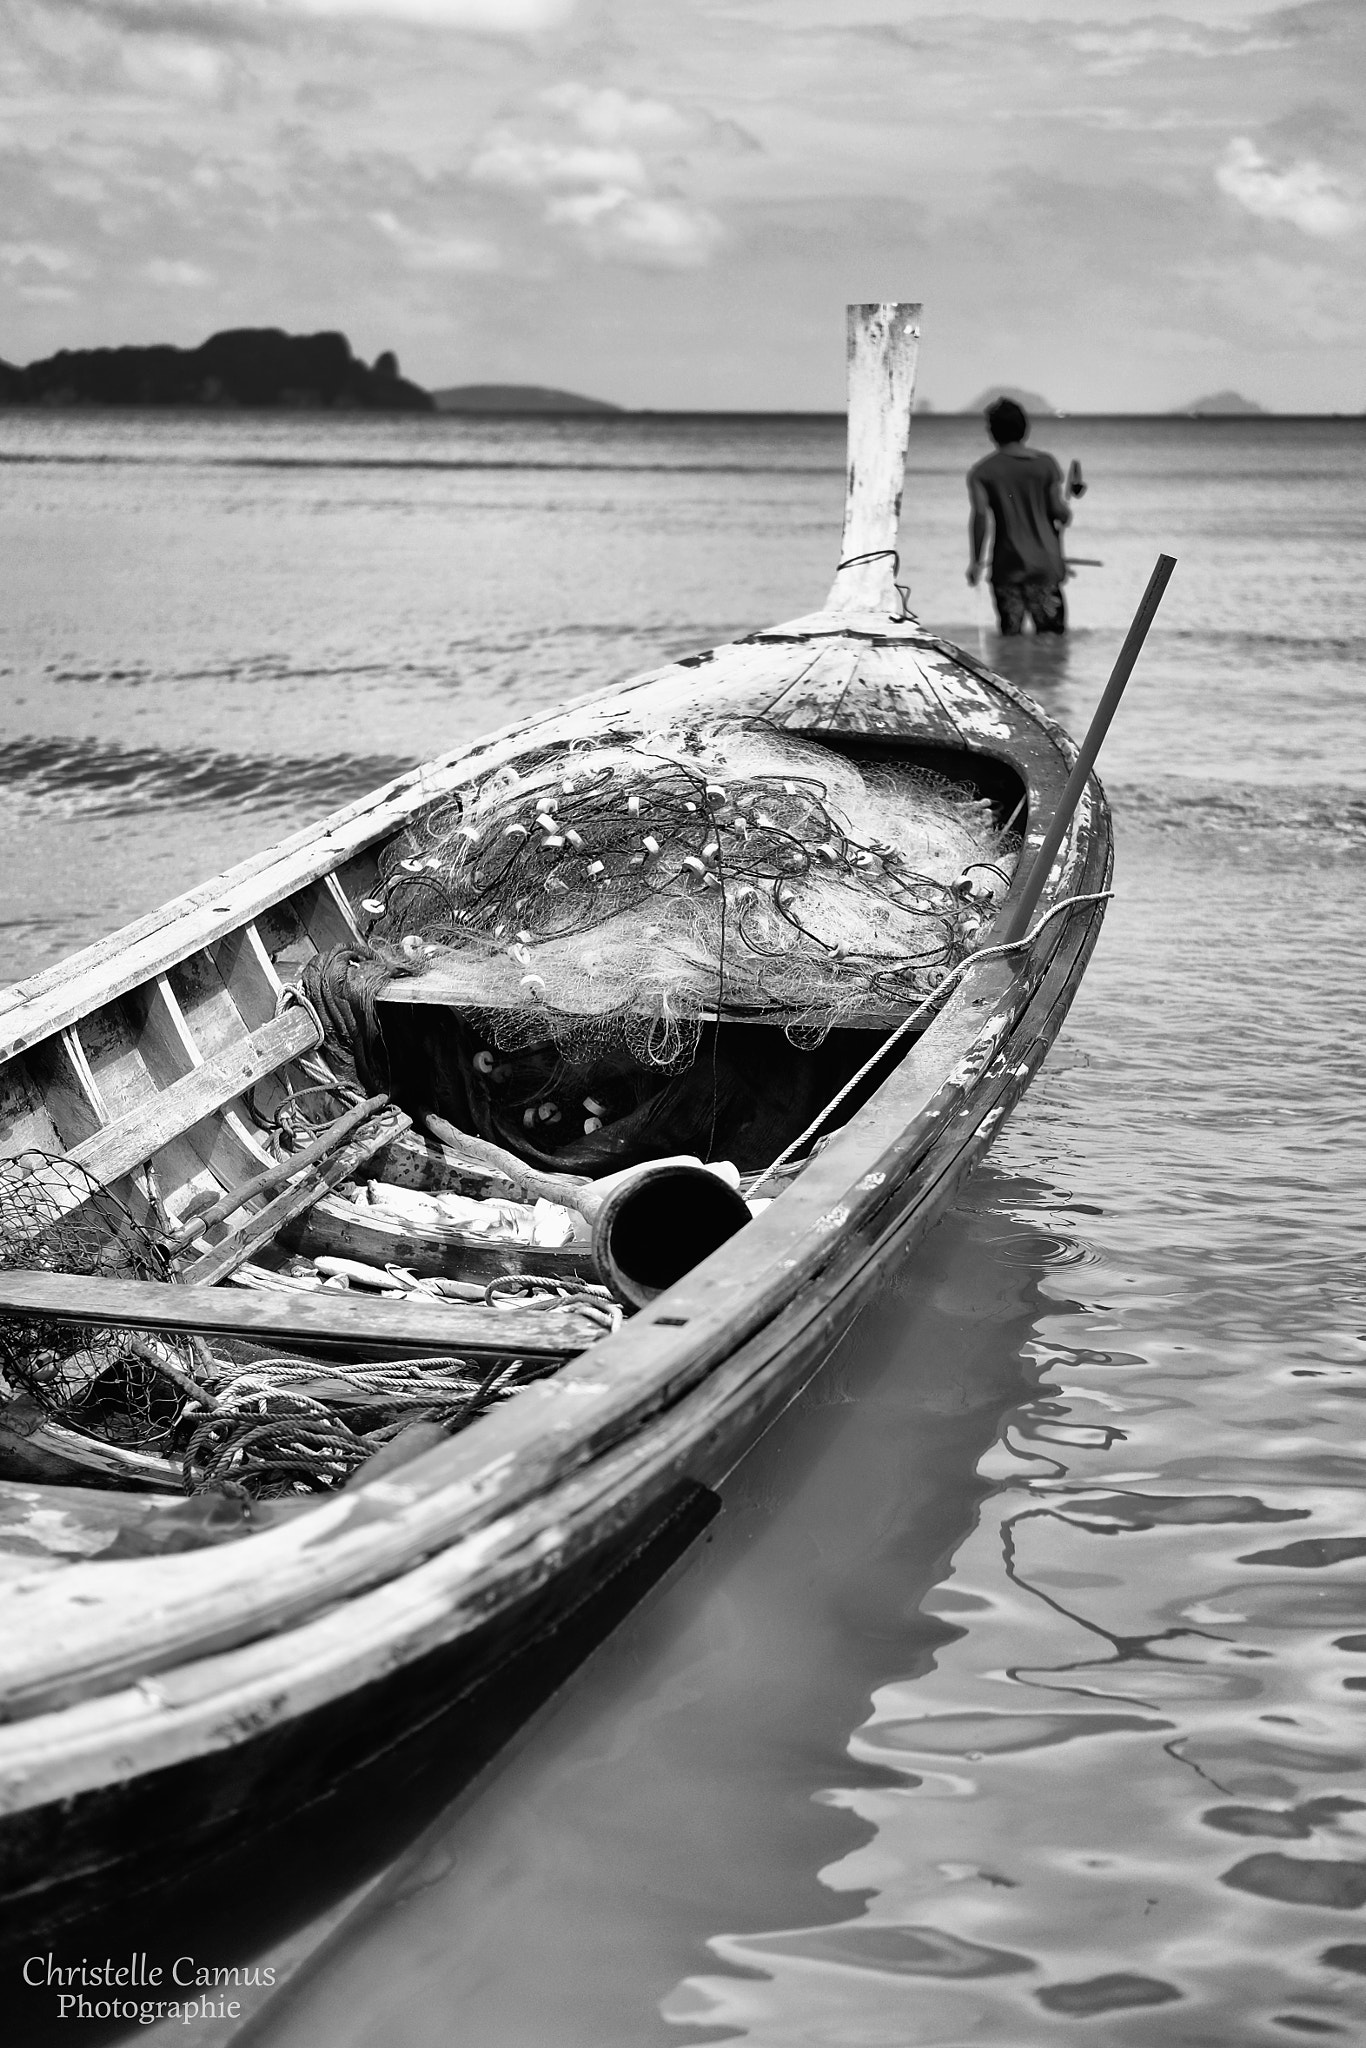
x=1132 y=45
x=600 y=161
x=1275 y=302
x=490 y=17
x=605 y=114
x=421 y=251
x=668 y=232
x=176 y=276
x=174 y=67
x=521 y=163
x=229 y=18
x=1307 y=195
x=33 y=269
x=37 y=256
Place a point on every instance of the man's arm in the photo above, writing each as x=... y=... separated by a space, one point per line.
x=1059 y=511
x=977 y=530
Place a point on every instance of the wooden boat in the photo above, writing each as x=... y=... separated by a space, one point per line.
x=176 y=1671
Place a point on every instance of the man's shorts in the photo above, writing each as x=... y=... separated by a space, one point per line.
x=1042 y=599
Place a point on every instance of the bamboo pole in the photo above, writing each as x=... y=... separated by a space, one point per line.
x=1018 y=922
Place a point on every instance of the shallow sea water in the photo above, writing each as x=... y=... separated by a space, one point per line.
x=1015 y=1695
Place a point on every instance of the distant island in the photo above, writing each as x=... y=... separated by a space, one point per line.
x=1037 y=408
x=245 y=366
x=1223 y=404
x=516 y=398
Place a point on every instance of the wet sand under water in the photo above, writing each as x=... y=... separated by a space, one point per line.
x=1014 y=1695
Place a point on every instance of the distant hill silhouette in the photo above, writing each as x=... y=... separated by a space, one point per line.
x=1223 y=403
x=515 y=398
x=1037 y=408
x=242 y=366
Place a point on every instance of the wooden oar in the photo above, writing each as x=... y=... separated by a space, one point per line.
x=1017 y=924
x=262 y=1225
x=208 y=1209
x=372 y=1326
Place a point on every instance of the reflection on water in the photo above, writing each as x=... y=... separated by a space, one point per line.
x=1135 y=1784
x=1040 y=663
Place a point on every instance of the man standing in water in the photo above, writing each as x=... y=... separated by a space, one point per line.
x=1022 y=489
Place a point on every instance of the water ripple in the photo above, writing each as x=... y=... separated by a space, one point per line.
x=1331 y=816
x=90 y=776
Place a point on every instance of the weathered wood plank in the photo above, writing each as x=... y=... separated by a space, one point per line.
x=26 y=1122
x=348 y=1321
x=248 y=974
x=129 y=1140
x=212 y=1152
x=325 y=914
x=64 y=1100
x=75 y=1522
x=49 y=1449
x=197 y=1018
x=83 y=1075
x=884 y=344
x=891 y=695
x=812 y=699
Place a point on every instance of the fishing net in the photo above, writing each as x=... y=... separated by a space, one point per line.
x=612 y=896
x=116 y=1386
x=138 y=1408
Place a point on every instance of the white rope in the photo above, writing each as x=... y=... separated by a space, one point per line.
x=973 y=960
x=400 y=1378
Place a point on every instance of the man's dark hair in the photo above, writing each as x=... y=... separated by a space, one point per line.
x=1007 y=421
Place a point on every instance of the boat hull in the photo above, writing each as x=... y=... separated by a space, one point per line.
x=83 y=1856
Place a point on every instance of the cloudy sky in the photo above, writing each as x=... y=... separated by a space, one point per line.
x=667 y=202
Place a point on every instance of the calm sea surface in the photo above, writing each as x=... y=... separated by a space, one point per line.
x=1018 y=1694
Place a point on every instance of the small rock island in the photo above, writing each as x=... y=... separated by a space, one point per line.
x=1224 y=405
x=244 y=366
x=513 y=399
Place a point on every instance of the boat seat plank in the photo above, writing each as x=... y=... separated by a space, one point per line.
x=133 y=1137
x=377 y=1328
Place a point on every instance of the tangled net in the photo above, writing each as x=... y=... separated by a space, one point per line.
x=616 y=893
x=116 y=1386
x=257 y=1428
